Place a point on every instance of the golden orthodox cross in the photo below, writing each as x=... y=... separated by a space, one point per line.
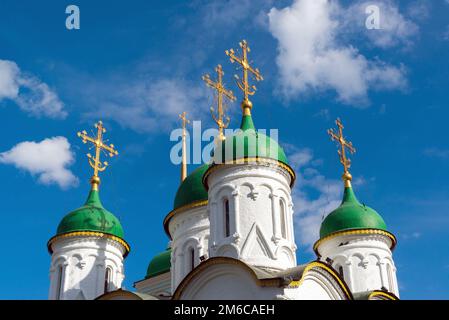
x=99 y=145
x=344 y=144
x=221 y=91
x=246 y=67
x=185 y=121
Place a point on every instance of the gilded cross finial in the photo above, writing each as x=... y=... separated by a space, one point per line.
x=218 y=86
x=185 y=121
x=243 y=84
x=99 y=145
x=344 y=144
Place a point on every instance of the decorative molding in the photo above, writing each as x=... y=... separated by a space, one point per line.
x=172 y=213
x=250 y=160
x=89 y=234
x=253 y=195
x=322 y=265
x=356 y=232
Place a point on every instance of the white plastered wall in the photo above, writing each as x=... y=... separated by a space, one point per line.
x=79 y=264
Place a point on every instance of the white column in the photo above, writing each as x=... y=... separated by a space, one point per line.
x=173 y=271
x=275 y=214
x=395 y=280
x=53 y=280
x=214 y=223
x=350 y=280
x=64 y=279
x=291 y=227
x=100 y=270
x=236 y=216
x=383 y=275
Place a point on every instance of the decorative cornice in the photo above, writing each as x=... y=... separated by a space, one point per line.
x=89 y=234
x=356 y=232
x=263 y=282
x=330 y=270
x=273 y=282
x=250 y=160
x=183 y=208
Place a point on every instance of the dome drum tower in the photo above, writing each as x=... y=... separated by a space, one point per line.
x=88 y=249
x=354 y=238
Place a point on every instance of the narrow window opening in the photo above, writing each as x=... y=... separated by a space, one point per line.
x=340 y=271
x=107 y=279
x=226 y=218
x=192 y=258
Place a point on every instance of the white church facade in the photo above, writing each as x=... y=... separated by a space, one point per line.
x=231 y=231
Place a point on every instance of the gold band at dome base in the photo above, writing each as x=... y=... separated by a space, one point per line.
x=356 y=232
x=172 y=213
x=248 y=160
x=89 y=234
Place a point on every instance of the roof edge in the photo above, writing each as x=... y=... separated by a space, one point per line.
x=355 y=231
x=89 y=233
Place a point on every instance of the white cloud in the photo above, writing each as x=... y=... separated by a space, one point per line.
x=28 y=92
x=147 y=106
x=47 y=159
x=220 y=15
x=413 y=235
x=314 y=196
x=311 y=59
x=395 y=29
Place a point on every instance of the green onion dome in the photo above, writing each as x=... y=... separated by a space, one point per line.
x=255 y=145
x=351 y=215
x=191 y=192
x=91 y=217
x=160 y=264
x=191 y=189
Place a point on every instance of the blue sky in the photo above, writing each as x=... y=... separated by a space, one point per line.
x=137 y=65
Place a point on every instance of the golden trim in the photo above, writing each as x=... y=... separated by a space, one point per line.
x=384 y=294
x=172 y=213
x=89 y=234
x=319 y=264
x=268 y=282
x=283 y=165
x=271 y=282
x=356 y=231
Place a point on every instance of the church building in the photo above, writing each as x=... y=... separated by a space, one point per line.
x=231 y=227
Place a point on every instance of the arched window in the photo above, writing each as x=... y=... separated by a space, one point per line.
x=58 y=282
x=191 y=258
x=283 y=220
x=107 y=279
x=227 y=231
